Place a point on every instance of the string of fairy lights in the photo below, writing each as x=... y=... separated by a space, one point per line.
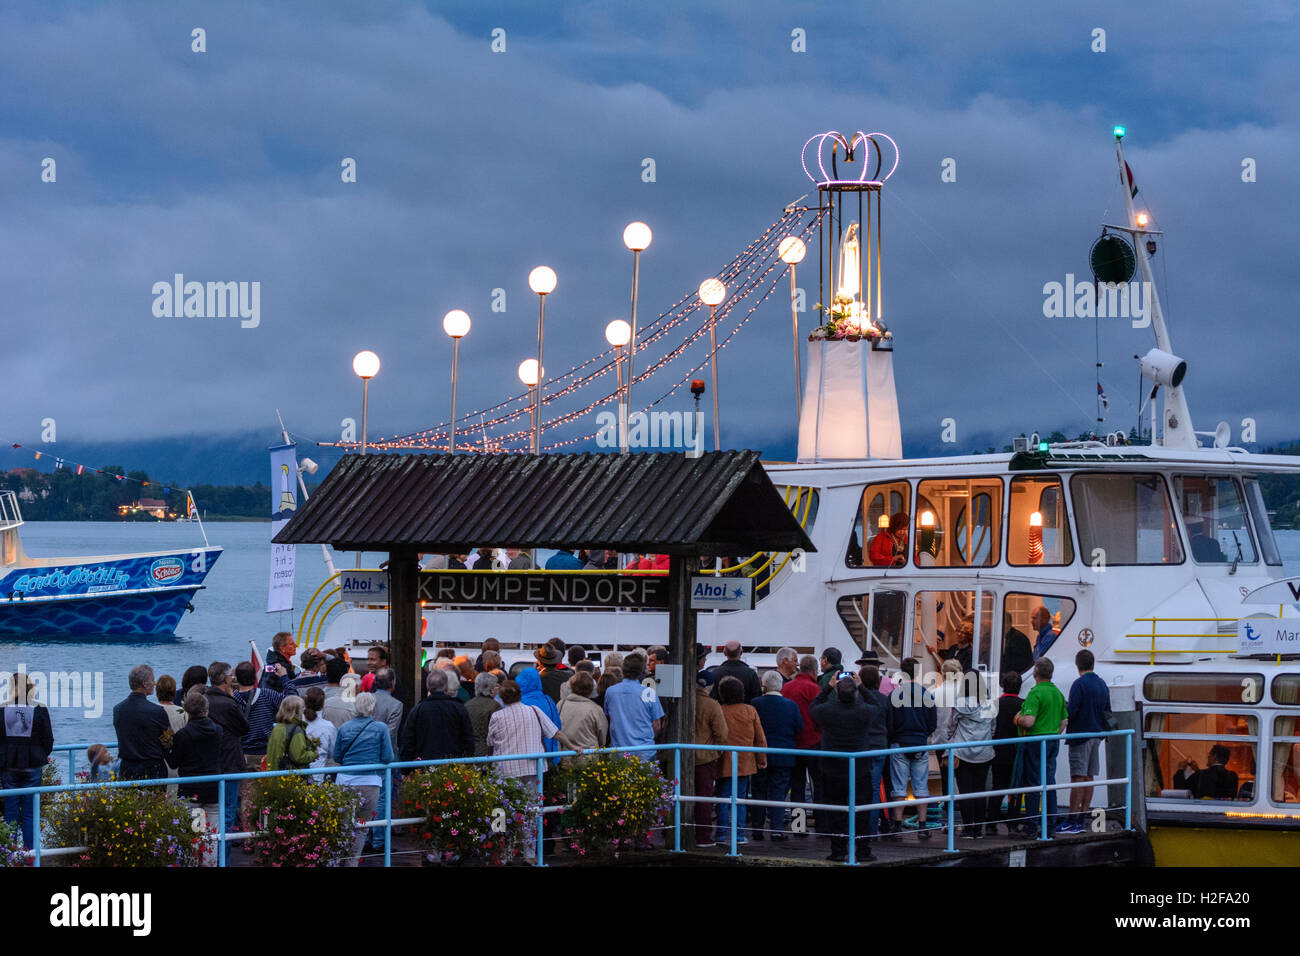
x=489 y=430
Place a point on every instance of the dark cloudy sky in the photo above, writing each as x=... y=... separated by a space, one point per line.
x=474 y=166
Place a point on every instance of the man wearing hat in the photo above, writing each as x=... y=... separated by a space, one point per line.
x=870 y=659
x=549 y=658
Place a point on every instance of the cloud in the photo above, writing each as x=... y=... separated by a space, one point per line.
x=473 y=167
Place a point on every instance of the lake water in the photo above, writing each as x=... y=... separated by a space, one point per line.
x=229 y=613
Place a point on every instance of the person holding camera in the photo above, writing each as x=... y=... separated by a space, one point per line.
x=846 y=720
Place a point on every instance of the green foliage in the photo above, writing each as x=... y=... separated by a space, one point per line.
x=469 y=812
x=63 y=495
x=124 y=826
x=301 y=821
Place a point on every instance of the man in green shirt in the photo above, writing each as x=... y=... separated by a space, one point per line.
x=1043 y=712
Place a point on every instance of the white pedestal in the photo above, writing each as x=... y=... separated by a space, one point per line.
x=850 y=406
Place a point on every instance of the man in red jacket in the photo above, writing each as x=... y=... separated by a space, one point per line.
x=803 y=690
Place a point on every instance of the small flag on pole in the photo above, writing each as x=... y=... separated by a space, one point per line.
x=1133 y=190
x=81 y=469
x=1101 y=394
x=191 y=510
x=256 y=660
x=38 y=456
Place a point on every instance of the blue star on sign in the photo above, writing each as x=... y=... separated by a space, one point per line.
x=738 y=592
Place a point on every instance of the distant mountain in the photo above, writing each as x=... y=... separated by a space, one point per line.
x=241 y=458
x=235 y=459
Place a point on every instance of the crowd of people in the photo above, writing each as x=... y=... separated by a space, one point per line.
x=321 y=712
x=811 y=704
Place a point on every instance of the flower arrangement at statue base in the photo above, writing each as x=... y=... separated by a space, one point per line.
x=847 y=321
x=124 y=826
x=471 y=814
x=11 y=846
x=301 y=822
x=614 y=801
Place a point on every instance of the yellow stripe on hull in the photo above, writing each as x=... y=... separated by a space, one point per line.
x=1224 y=846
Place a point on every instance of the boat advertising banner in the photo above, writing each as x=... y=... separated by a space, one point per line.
x=1268 y=636
x=284 y=502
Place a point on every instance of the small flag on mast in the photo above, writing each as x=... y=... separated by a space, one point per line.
x=191 y=511
x=1133 y=190
x=1101 y=394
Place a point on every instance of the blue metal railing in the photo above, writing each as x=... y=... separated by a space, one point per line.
x=852 y=808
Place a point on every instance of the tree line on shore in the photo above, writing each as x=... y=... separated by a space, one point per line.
x=63 y=495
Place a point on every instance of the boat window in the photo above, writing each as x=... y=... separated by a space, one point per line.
x=1203 y=688
x=880 y=503
x=1125 y=519
x=1038 y=530
x=958 y=522
x=1286 y=689
x=1215 y=516
x=1263 y=529
x=943 y=628
x=1285 y=771
x=1031 y=622
x=1201 y=756
x=885 y=610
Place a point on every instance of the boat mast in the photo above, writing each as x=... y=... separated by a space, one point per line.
x=1177 y=431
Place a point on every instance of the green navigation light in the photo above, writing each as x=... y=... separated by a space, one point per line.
x=1042 y=446
x=1119 y=132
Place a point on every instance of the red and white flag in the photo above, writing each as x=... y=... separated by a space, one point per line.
x=256 y=661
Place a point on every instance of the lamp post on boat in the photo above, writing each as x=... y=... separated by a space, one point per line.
x=529 y=376
x=792 y=250
x=636 y=236
x=456 y=324
x=618 y=333
x=366 y=364
x=712 y=292
x=542 y=281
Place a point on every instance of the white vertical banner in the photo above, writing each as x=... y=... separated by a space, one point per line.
x=284 y=502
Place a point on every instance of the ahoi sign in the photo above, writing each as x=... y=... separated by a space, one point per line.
x=722 y=594
x=553 y=589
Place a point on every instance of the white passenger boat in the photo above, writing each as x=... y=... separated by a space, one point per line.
x=1141 y=552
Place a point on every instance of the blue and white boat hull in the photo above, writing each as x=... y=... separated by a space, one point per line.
x=129 y=595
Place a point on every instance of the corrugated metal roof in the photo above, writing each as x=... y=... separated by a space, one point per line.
x=719 y=503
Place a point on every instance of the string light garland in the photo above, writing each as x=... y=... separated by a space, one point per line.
x=746 y=274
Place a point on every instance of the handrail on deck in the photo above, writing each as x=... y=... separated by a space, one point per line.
x=1155 y=636
x=852 y=808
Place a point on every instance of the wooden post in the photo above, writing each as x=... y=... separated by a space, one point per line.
x=681 y=651
x=404 y=621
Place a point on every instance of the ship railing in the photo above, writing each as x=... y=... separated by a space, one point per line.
x=759 y=566
x=850 y=809
x=10 y=515
x=1152 y=630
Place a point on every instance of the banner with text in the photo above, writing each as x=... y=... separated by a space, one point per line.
x=513 y=588
x=284 y=502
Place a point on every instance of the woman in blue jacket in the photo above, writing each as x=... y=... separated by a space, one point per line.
x=361 y=741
